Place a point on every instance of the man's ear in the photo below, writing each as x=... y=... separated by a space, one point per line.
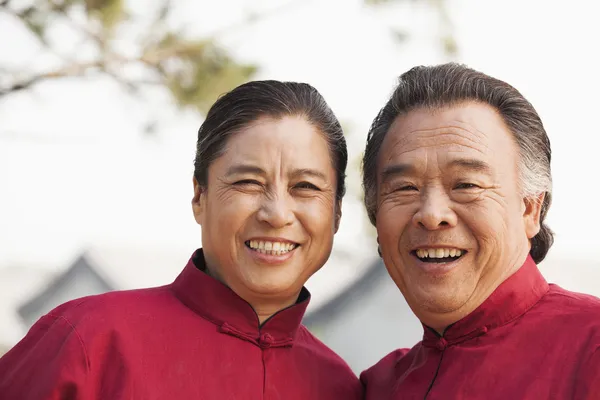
x=531 y=214
x=198 y=202
x=338 y=215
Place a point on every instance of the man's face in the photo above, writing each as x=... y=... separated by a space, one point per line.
x=269 y=211
x=451 y=222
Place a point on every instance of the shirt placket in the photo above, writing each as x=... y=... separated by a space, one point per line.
x=265 y=342
x=441 y=345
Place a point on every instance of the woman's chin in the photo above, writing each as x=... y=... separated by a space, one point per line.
x=274 y=285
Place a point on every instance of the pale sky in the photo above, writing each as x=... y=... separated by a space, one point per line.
x=74 y=170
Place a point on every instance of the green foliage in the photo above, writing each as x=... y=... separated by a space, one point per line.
x=196 y=71
x=36 y=21
x=108 y=12
x=204 y=72
x=450 y=45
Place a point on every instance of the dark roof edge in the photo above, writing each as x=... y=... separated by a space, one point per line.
x=374 y=273
x=60 y=279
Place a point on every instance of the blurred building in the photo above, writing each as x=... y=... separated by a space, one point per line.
x=356 y=308
x=29 y=293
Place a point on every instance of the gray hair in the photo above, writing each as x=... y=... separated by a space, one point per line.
x=450 y=84
x=246 y=103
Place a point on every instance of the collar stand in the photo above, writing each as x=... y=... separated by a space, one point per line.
x=514 y=297
x=217 y=303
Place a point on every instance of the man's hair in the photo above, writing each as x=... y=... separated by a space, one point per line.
x=450 y=84
x=246 y=103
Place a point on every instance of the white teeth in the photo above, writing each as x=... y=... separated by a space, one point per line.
x=438 y=253
x=272 y=248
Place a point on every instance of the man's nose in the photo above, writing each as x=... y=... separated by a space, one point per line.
x=434 y=211
x=276 y=210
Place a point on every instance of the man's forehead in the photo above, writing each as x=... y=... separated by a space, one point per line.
x=468 y=114
x=474 y=129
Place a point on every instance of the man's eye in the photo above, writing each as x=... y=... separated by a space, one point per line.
x=467 y=186
x=306 y=185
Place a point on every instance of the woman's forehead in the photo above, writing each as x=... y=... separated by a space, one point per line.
x=291 y=143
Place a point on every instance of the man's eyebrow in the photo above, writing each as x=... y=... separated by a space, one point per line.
x=407 y=169
x=238 y=169
x=472 y=164
x=395 y=170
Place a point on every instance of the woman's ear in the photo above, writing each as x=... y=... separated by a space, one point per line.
x=198 y=201
x=338 y=215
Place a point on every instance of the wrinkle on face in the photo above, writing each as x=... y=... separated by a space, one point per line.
x=453 y=133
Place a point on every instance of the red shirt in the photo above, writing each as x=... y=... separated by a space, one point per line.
x=528 y=340
x=193 y=339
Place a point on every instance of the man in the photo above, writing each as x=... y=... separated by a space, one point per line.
x=457 y=182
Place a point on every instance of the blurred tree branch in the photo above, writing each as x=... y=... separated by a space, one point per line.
x=195 y=72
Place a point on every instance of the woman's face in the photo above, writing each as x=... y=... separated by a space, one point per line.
x=269 y=210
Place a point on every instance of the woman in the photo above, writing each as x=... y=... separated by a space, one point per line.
x=268 y=186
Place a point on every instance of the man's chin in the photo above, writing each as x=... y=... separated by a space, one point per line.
x=439 y=301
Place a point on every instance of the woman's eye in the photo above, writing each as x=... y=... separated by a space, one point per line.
x=247 y=182
x=306 y=185
x=466 y=186
x=406 y=188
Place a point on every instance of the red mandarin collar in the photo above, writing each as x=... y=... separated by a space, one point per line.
x=217 y=303
x=510 y=300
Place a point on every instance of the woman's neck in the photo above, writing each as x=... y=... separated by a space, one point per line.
x=264 y=306
x=265 y=311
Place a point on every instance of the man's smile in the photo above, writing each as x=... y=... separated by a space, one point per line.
x=438 y=255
